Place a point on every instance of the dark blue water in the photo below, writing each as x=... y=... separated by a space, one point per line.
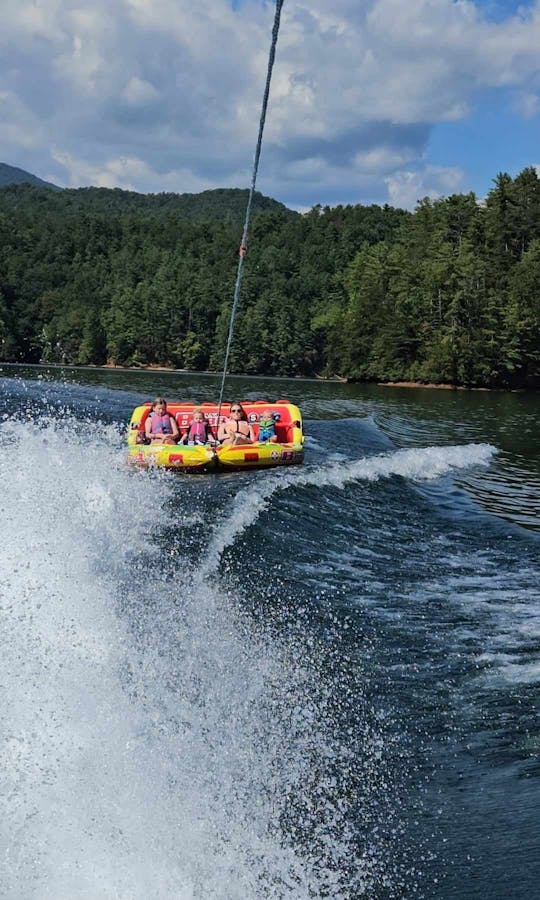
x=315 y=682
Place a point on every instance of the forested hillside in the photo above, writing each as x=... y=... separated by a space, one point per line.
x=219 y=205
x=450 y=293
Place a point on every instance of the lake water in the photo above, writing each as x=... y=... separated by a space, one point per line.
x=317 y=682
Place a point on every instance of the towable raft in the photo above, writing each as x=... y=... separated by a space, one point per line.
x=288 y=451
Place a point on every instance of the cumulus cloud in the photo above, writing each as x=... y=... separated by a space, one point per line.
x=165 y=94
x=406 y=188
x=128 y=173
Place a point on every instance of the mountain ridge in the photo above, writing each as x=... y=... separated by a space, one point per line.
x=14 y=175
x=226 y=205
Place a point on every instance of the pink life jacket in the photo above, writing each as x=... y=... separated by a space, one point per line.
x=160 y=424
x=197 y=431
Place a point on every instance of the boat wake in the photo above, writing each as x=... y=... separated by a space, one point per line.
x=422 y=464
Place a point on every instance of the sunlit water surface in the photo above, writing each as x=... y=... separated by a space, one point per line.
x=302 y=683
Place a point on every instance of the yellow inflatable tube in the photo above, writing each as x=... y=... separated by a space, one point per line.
x=287 y=451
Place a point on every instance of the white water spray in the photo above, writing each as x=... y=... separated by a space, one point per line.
x=151 y=738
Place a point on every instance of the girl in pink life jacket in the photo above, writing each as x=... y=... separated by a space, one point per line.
x=199 y=431
x=160 y=427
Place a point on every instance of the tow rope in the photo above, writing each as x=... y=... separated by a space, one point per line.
x=245 y=233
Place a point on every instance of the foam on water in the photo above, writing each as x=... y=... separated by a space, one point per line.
x=156 y=742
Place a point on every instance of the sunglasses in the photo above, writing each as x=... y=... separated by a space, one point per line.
x=236 y=410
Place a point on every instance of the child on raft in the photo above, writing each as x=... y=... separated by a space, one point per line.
x=267 y=427
x=199 y=431
x=160 y=426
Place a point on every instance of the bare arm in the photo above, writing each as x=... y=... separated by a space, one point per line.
x=222 y=432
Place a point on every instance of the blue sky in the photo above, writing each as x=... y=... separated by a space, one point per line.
x=493 y=138
x=372 y=101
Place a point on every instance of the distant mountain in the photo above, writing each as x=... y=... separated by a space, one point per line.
x=13 y=175
x=225 y=205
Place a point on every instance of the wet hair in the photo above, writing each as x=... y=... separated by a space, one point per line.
x=158 y=400
x=237 y=403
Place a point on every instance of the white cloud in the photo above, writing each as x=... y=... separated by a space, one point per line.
x=177 y=87
x=22 y=20
x=129 y=173
x=526 y=104
x=139 y=92
x=405 y=188
x=383 y=159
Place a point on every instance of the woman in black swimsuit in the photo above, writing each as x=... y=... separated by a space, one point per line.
x=236 y=429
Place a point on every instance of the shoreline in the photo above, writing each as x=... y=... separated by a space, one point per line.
x=161 y=370
x=437 y=387
x=332 y=379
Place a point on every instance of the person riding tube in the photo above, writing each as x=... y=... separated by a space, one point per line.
x=236 y=430
x=160 y=426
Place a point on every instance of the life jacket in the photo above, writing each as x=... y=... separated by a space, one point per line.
x=198 y=431
x=160 y=424
x=267 y=428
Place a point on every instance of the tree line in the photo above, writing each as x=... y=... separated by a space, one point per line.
x=448 y=293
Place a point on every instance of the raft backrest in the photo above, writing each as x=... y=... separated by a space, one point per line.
x=284 y=424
